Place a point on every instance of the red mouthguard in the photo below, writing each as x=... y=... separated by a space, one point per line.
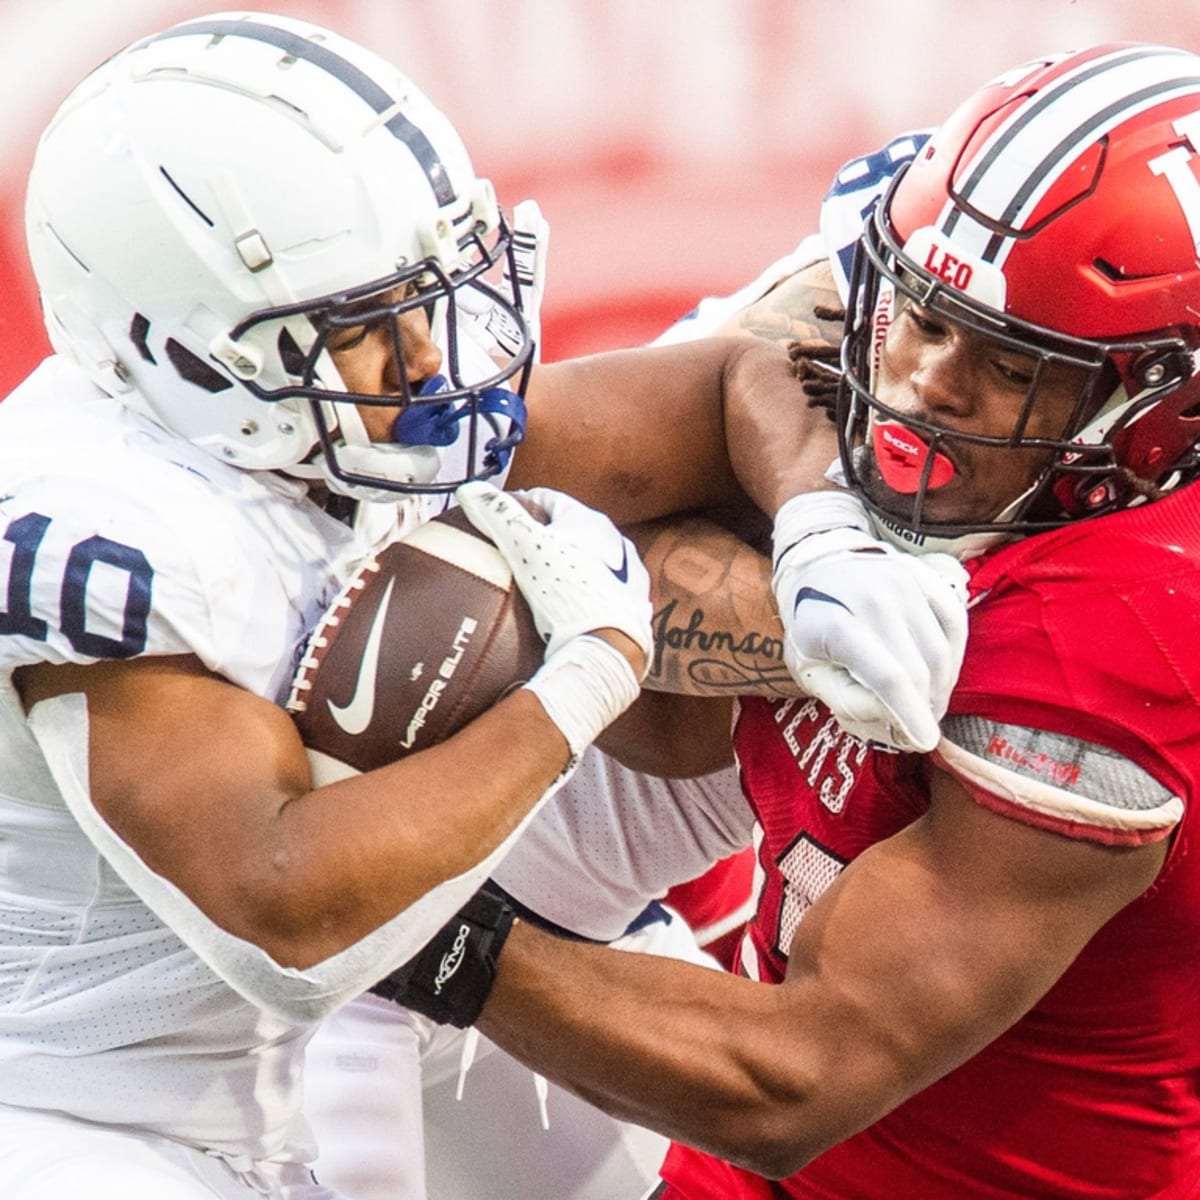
x=902 y=455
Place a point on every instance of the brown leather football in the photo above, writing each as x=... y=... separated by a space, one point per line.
x=425 y=637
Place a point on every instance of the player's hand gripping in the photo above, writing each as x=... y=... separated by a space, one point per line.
x=876 y=633
x=580 y=576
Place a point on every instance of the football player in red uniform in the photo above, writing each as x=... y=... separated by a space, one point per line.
x=984 y=957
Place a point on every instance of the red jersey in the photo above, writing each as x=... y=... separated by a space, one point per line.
x=1078 y=709
x=718 y=904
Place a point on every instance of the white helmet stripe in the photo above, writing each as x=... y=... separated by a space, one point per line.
x=353 y=77
x=1049 y=131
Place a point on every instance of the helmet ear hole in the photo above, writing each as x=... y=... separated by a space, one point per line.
x=194 y=369
x=139 y=335
x=290 y=354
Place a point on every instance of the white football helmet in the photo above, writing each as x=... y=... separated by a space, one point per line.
x=209 y=206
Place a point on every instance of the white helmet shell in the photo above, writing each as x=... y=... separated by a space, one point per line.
x=202 y=199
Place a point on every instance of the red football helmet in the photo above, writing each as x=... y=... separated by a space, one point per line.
x=1056 y=212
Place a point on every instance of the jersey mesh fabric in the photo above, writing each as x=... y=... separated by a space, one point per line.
x=129 y=542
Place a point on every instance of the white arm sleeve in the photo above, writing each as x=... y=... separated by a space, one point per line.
x=613 y=839
x=60 y=726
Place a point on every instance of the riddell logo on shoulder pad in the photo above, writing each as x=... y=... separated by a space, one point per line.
x=1034 y=762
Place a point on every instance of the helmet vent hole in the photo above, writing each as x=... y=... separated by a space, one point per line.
x=1108 y=270
x=195 y=370
x=290 y=354
x=1115 y=273
x=139 y=332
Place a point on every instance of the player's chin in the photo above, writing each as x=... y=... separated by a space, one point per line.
x=947 y=505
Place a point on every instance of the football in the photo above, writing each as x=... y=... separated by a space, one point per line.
x=425 y=637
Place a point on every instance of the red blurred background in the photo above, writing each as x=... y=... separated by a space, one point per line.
x=676 y=146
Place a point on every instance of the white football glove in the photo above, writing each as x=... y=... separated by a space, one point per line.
x=876 y=633
x=578 y=575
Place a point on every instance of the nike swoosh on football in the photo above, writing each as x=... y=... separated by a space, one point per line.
x=621 y=572
x=353 y=718
x=807 y=593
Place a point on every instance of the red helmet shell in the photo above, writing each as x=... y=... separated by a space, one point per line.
x=1079 y=178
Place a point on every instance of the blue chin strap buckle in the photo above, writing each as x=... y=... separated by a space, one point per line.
x=428 y=424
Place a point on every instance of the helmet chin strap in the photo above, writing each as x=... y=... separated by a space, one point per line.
x=358 y=455
x=391 y=461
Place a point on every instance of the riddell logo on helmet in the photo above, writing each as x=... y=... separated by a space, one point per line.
x=883 y=321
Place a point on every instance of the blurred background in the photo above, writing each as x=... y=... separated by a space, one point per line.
x=676 y=146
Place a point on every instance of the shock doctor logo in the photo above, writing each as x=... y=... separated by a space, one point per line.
x=433 y=693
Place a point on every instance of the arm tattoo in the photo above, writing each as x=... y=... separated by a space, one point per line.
x=805 y=307
x=716 y=631
x=694 y=656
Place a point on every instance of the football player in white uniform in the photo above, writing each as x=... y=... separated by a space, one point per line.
x=263 y=256
x=179 y=905
x=406 y=1110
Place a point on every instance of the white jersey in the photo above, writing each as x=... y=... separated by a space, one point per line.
x=390 y=1123
x=121 y=540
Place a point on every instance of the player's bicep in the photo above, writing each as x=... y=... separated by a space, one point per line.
x=635 y=433
x=933 y=943
x=185 y=768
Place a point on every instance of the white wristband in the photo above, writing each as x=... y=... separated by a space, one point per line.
x=584 y=686
x=812 y=513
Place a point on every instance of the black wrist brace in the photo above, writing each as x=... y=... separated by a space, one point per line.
x=450 y=978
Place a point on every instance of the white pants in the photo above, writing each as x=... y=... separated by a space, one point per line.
x=381 y=1088
x=47 y=1156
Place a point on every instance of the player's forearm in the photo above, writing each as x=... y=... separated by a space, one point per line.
x=704 y=1068
x=637 y=433
x=778 y=444
x=672 y=736
x=716 y=628
x=779 y=441
x=357 y=852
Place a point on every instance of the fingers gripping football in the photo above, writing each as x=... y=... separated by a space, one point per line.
x=874 y=632
x=577 y=572
x=579 y=576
